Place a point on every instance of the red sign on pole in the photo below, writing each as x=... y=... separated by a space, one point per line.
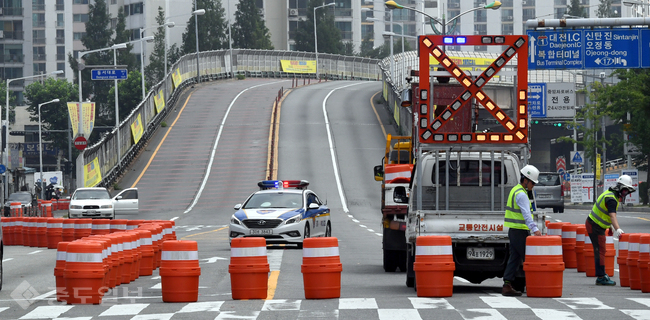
x=560 y=164
x=80 y=143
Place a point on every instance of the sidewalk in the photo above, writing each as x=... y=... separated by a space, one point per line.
x=588 y=206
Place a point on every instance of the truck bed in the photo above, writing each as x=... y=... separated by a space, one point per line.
x=466 y=198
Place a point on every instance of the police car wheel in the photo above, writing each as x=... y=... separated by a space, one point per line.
x=328 y=230
x=306 y=234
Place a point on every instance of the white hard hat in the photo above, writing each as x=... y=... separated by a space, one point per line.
x=530 y=172
x=625 y=181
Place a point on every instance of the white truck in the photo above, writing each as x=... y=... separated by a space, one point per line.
x=463 y=194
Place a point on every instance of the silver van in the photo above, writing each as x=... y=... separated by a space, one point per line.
x=549 y=191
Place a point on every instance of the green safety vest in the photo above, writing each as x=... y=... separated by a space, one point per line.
x=514 y=218
x=599 y=213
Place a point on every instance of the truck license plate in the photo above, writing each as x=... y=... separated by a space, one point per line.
x=480 y=253
x=544 y=196
x=261 y=231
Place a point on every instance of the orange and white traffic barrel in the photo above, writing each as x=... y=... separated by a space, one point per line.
x=624 y=274
x=137 y=254
x=18 y=231
x=84 y=272
x=146 y=264
x=118 y=225
x=105 y=258
x=581 y=233
x=633 y=261
x=434 y=266
x=644 y=260
x=544 y=266
x=7 y=231
x=32 y=230
x=48 y=208
x=54 y=232
x=15 y=209
x=610 y=253
x=588 y=254
x=82 y=228
x=569 y=245
x=41 y=232
x=249 y=268
x=128 y=257
x=101 y=226
x=321 y=268
x=59 y=267
x=131 y=224
x=115 y=276
x=68 y=230
x=180 y=271
x=554 y=229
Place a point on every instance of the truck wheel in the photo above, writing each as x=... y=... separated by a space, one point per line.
x=390 y=260
x=402 y=261
x=410 y=273
x=555 y=210
x=561 y=210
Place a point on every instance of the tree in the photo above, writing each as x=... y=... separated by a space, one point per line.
x=129 y=94
x=53 y=116
x=212 y=28
x=174 y=54
x=154 y=71
x=574 y=9
x=329 y=36
x=12 y=102
x=124 y=56
x=249 y=30
x=605 y=9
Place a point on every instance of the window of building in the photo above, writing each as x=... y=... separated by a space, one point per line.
x=480 y=29
x=60 y=20
x=506 y=3
x=60 y=53
x=38 y=36
x=60 y=6
x=126 y=10
x=367 y=30
x=38 y=20
x=343 y=4
x=80 y=2
x=559 y=12
x=80 y=17
x=346 y=29
x=430 y=4
x=480 y=16
x=507 y=29
x=60 y=36
x=113 y=23
x=39 y=67
x=137 y=8
x=61 y=66
x=507 y=15
x=78 y=35
x=528 y=3
x=528 y=14
x=560 y=3
x=32 y=135
x=113 y=1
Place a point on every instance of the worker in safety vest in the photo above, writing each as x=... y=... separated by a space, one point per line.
x=603 y=216
x=520 y=221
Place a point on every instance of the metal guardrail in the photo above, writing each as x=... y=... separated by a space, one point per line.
x=214 y=65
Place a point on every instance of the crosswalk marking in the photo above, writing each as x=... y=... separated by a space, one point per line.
x=583 y=303
x=481 y=314
x=238 y=315
x=46 y=312
x=504 y=303
x=318 y=314
x=551 y=314
x=638 y=314
x=162 y=316
x=202 y=307
x=281 y=305
x=357 y=303
x=398 y=314
x=124 y=309
x=430 y=303
x=643 y=301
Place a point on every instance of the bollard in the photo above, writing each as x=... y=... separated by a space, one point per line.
x=569 y=245
x=105 y=258
x=24 y=235
x=581 y=233
x=82 y=228
x=64 y=204
x=68 y=229
x=434 y=266
x=54 y=232
x=644 y=259
x=249 y=268
x=544 y=266
x=321 y=268
x=156 y=239
x=100 y=226
x=59 y=267
x=624 y=274
x=137 y=255
x=180 y=271
x=84 y=272
x=633 y=261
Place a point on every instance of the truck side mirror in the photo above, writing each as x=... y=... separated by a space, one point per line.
x=379 y=173
x=400 y=196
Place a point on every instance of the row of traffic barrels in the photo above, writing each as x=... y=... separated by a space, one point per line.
x=48 y=232
x=577 y=248
x=634 y=261
x=44 y=208
x=249 y=268
x=89 y=267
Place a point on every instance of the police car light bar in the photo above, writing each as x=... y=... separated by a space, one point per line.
x=282 y=184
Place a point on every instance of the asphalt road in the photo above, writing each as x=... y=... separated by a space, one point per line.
x=210 y=157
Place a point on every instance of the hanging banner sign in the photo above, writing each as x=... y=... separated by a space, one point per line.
x=137 y=129
x=159 y=101
x=298 y=66
x=92 y=174
x=73 y=111
x=633 y=198
x=176 y=78
x=88 y=120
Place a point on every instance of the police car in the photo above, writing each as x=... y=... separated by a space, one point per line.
x=282 y=212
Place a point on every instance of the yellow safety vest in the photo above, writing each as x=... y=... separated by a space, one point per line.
x=599 y=213
x=514 y=218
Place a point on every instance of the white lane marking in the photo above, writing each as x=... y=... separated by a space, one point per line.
x=583 y=303
x=194 y=228
x=202 y=307
x=281 y=305
x=75 y=318
x=430 y=303
x=337 y=174
x=644 y=301
x=243 y=315
x=355 y=220
x=550 y=314
x=398 y=314
x=362 y=226
x=3 y=309
x=462 y=280
x=216 y=143
x=379 y=234
x=504 y=303
x=155 y=278
x=45 y=295
x=357 y=303
x=8 y=259
x=160 y=316
x=213 y=259
x=46 y=312
x=481 y=314
x=173 y=219
x=275 y=259
x=371 y=230
x=35 y=252
x=350 y=216
x=124 y=309
x=157 y=286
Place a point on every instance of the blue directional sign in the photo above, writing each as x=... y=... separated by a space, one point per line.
x=645 y=48
x=602 y=48
x=109 y=74
x=2 y=168
x=537 y=100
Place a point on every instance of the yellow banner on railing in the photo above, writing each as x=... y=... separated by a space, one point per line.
x=159 y=101
x=298 y=66
x=176 y=78
x=92 y=174
x=137 y=129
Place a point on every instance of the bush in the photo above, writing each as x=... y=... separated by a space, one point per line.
x=116 y=186
x=241 y=77
x=163 y=124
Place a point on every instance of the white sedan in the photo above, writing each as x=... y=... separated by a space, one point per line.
x=281 y=212
x=97 y=203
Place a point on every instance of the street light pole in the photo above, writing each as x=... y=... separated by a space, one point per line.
x=316 y=34
x=232 y=73
x=142 y=56
x=6 y=127
x=40 y=142
x=196 y=14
